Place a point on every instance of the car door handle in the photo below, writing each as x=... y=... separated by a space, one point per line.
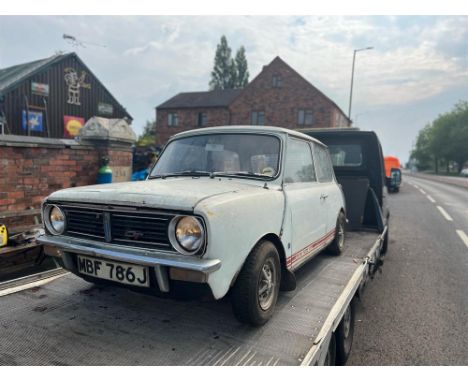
x=323 y=196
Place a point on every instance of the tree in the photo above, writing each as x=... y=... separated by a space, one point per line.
x=242 y=70
x=148 y=136
x=221 y=76
x=229 y=73
x=454 y=127
x=445 y=139
x=422 y=153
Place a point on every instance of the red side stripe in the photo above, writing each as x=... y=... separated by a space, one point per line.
x=307 y=249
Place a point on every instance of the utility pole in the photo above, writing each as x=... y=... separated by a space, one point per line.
x=352 y=78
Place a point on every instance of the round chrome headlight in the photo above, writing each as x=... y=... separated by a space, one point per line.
x=54 y=219
x=186 y=234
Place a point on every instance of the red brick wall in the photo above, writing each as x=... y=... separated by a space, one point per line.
x=188 y=119
x=29 y=174
x=281 y=104
x=32 y=168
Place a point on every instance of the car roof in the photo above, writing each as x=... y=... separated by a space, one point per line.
x=337 y=131
x=246 y=129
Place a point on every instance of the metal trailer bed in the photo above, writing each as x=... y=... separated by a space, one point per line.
x=68 y=321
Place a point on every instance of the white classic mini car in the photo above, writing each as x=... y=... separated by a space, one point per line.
x=232 y=208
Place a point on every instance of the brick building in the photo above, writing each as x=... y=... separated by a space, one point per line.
x=278 y=96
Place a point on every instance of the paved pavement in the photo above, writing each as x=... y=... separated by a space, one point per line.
x=454 y=180
x=416 y=311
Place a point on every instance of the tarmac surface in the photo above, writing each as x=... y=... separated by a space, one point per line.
x=416 y=311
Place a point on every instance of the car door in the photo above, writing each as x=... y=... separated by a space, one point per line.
x=331 y=196
x=304 y=207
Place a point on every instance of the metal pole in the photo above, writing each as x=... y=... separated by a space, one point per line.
x=351 y=89
x=352 y=78
x=46 y=117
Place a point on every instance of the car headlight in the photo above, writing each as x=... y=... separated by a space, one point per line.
x=186 y=234
x=54 y=219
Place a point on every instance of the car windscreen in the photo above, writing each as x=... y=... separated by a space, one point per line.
x=221 y=153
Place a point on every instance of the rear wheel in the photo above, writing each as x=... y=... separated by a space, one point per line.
x=337 y=245
x=344 y=335
x=330 y=359
x=256 y=289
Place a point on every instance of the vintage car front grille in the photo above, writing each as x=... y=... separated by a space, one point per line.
x=135 y=229
x=85 y=223
x=141 y=229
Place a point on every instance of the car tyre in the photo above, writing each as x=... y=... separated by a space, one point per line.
x=344 y=335
x=255 y=292
x=337 y=245
x=330 y=358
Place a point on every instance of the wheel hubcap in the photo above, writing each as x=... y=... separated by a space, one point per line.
x=266 y=285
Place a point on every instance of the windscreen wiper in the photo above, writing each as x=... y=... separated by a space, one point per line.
x=241 y=173
x=183 y=173
x=211 y=174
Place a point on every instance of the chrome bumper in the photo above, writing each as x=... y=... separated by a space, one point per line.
x=61 y=245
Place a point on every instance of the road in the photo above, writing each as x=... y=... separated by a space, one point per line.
x=416 y=311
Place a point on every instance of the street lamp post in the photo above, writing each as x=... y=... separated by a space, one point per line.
x=352 y=77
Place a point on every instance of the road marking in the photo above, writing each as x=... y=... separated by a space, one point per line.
x=431 y=199
x=422 y=191
x=445 y=214
x=463 y=236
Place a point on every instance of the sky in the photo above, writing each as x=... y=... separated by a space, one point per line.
x=417 y=69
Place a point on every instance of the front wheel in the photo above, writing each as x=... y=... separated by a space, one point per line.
x=256 y=289
x=337 y=245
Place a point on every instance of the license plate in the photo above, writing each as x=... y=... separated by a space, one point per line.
x=124 y=273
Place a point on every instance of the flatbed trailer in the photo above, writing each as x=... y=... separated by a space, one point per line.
x=69 y=321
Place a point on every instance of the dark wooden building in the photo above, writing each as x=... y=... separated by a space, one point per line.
x=53 y=97
x=278 y=96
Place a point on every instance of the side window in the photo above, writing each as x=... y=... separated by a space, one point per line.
x=299 y=166
x=323 y=164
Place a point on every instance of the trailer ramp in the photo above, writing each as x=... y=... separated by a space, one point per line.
x=71 y=322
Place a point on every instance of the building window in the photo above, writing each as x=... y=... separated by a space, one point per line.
x=305 y=117
x=172 y=119
x=202 y=119
x=277 y=81
x=258 y=118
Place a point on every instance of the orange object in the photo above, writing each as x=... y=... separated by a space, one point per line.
x=72 y=125
x=390 y=162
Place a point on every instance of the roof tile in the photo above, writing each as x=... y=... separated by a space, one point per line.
x=212 y=98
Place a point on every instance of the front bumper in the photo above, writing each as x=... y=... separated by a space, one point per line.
x=160 y=261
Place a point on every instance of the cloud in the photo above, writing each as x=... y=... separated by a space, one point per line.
x=149 y=59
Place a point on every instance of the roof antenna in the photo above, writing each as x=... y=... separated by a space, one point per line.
x=73 y=41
